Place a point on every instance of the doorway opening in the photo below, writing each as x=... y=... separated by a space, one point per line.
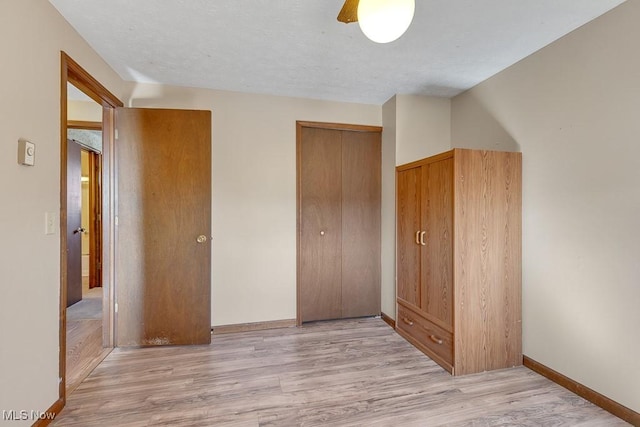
x=85 y=296
x=99 y=230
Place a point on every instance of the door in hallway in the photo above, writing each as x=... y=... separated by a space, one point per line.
x=74 y=223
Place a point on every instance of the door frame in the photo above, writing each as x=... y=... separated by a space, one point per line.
x=72 y=72
x=318 y=125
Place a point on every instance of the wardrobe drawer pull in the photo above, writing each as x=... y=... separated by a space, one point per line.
x=407 y=321
x=435 y=339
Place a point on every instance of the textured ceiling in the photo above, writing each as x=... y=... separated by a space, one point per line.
x=298 y=48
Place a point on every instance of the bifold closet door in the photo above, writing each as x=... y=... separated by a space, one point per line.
x=361 y=153
x=339 y=229
x=321 y=225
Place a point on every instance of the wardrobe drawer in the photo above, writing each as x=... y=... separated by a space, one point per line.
x=427 y=333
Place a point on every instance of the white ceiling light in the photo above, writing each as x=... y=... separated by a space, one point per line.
x=384 y=21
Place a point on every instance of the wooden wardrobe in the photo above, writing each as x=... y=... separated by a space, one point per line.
x=459 y=228
x=339 y=192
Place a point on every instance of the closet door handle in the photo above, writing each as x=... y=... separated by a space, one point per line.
x=435 y=339
x=418 y=237
x=422 y=238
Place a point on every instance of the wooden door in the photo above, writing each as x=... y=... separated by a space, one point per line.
x=163 y=253
x=320 y=249
x=408 y=231
x=339 y=222
x=437 y=253
x=361 y=186
x=74 y=223
x=95 y=220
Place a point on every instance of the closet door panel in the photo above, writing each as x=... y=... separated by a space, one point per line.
x=408 y=235
x=361 y=152
x=321 y=225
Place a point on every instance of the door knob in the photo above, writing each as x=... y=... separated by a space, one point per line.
x=201 y=238
x=322 y=233
x=79 y=230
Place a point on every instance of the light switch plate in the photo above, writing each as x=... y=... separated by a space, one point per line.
x=49 y=223
x=26 y=152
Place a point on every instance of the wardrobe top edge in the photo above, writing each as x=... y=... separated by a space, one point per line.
x=450 y=154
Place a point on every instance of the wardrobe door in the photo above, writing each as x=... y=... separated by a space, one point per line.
x=361 y=153
x=437 y=257
x=408 y=235
x=320 y=251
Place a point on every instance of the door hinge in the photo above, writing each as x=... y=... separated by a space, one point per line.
x=115 y=308
x=116 y=133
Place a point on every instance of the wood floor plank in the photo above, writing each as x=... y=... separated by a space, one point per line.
x=84 y=350
x=340 y=373
x=84 y=336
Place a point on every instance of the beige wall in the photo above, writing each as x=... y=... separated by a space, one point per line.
x=84 y=111
x=32 y=34
x=423 y=127
x=573 y=110
x=388 y=282
x=254 y=192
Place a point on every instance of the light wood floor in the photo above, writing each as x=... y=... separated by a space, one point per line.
x=342 y=373
x=84 y=345
x=84 y=338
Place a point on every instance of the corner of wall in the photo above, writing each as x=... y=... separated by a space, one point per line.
x=388 y=232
